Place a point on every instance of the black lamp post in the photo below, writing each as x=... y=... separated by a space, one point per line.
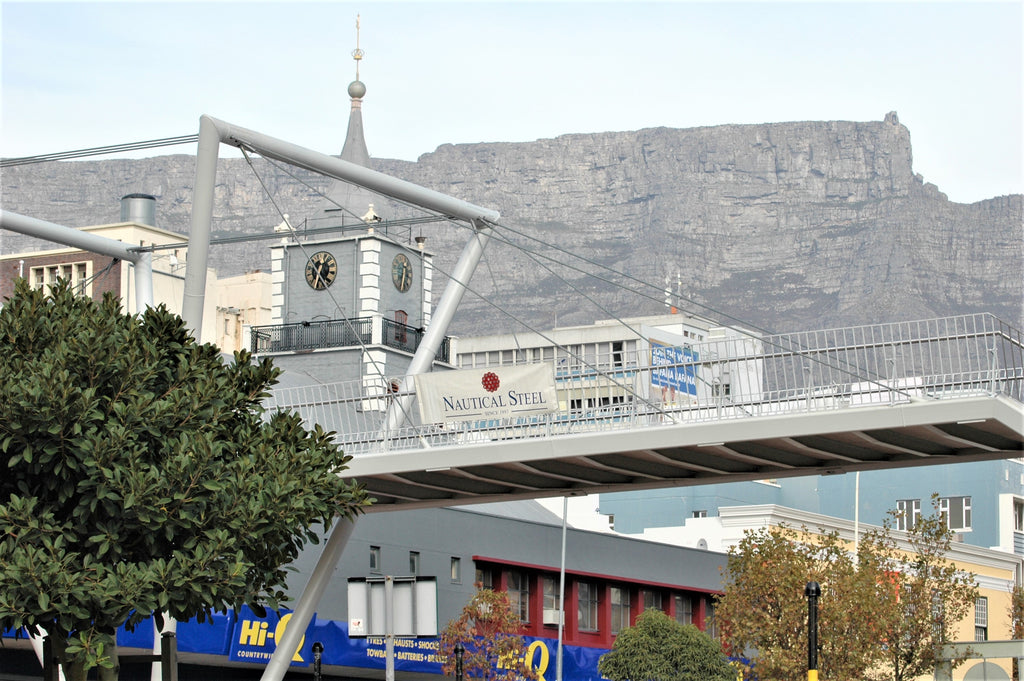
x=318 y=651
x=812 y=591
x=459 y=650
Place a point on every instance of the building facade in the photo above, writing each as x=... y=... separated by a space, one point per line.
x=232 y=305
x=513 y=547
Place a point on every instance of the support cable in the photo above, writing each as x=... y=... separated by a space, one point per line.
x=365 y=350
x=98 y=151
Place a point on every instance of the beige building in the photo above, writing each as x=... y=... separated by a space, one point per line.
x=995 y=571
x=232 y=305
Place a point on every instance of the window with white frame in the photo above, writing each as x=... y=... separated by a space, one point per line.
x=620 y=609
x=78 y=273
x=552 y=600
x=456 y=570
x=907 y=513
x=586 y=599
x=981 y=619
x=1018 y=515
x=957 y=511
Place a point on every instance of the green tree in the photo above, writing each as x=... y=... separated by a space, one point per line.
x=883 y=614
x=1015 y=611
x=923 y=599
x=140 y=474
x=657 y=648
x=763 y=610
x=491 y=636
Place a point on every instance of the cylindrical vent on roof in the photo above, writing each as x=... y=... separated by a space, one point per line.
x=139 y=208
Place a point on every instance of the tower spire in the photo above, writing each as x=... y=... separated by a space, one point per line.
x=357 y=54
x=354 y=150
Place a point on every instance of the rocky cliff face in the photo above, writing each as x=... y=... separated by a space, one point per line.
x=783 y=226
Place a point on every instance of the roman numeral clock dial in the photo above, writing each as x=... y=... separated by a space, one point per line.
x=321 y=270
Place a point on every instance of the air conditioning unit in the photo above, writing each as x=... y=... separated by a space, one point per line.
x=550 y=616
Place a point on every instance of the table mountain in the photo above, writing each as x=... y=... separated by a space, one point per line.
x=782 y=226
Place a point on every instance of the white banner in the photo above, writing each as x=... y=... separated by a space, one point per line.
x=491 y=393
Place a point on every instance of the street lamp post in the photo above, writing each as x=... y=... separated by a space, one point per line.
x=812 y=591
x=459 y=650
x=318 y=652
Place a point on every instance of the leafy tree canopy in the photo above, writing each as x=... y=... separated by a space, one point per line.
x=883 y=614
x=141 y=474
x=657 y=648
x=491 y=636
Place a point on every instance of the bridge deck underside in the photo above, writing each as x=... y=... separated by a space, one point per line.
x=913 y=434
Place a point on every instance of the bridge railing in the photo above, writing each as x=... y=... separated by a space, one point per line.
x=734 y=378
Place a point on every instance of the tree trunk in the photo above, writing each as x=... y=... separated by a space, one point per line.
x=74 y=670
x=110 y=673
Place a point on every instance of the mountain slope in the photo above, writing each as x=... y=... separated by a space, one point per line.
x=782 y=225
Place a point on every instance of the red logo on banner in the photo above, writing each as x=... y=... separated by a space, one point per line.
x=490 y=381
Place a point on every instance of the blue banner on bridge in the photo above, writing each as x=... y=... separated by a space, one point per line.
x=674 y=367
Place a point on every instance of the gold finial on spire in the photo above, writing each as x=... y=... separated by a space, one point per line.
x=357 y=53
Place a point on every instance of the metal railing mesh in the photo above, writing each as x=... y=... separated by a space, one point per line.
x=972 y=355
x=331 y=333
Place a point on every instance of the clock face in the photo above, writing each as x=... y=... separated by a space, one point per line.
x=321 y=270
x=401 y=272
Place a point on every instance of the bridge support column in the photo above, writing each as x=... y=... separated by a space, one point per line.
x=304 y=609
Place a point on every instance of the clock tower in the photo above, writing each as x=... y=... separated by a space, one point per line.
x=351 y=295
x=361 y=275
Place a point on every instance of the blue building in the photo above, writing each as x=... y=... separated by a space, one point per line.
x=983 y=501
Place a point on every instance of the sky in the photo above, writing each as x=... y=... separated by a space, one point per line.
x=88 y=74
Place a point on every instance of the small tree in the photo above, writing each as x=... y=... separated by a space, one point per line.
x=882 y=617
x=1016 y=613
x=922 y=599
x=657 y=648
x=764 y=609
x=491 y=635
x=139 y=473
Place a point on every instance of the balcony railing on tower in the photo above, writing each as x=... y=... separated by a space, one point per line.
x=339 y=333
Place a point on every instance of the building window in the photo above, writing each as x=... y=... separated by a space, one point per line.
x=552 y=600
x=981 y=619
x=620 y=609
x=485 y=578
x=456 y=570
x=586 y=597
x=957 y=511
x=414 y=563
x=652 y=600
x=710 y=625
x=1018 y=515
x=374 y=559
x=77 y=273
x=684 y=609
x=700 y=514
x=518 y=588
x=907 y=513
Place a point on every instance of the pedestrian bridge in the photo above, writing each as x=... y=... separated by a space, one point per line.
x=824 y=402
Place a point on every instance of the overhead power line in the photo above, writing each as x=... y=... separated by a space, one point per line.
x=99 y=151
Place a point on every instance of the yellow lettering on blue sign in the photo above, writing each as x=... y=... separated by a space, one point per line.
x=279 y=632
x=254 y=633
x=545 y=657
